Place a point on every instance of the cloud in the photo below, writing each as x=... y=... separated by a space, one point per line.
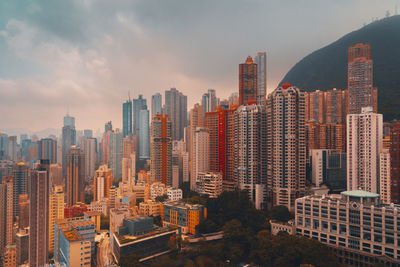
x=86 y=55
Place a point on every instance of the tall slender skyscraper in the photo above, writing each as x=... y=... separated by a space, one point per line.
x=395 y=163
x=105 y=143
x=161 y=149
x=116 y=153
x=360 y=79
x=364 y=144
x=56 y=211
x=176 y=109
x=48 y=149
x=138 y=105
x=6 y=213
x=68 y=139
x=20 y=174
x=156 y=104
x=261 y=61
x=286 y=144
x=3 y=146
x=39 y=215
x=75 y=164
x=250 y=157
x=127 y=117
x=12 y=148
x=89 y=148
x=144 y=138
x=247 y=81
x=201 y=152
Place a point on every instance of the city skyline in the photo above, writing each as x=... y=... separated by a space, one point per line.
x=58 y=66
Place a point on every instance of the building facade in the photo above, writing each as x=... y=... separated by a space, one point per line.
x=176 y=109
x=247 y=81
x=75 y=164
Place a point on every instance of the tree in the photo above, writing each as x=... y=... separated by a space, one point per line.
x=280 y=213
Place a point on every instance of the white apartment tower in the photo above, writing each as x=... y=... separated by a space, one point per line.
x=364 y=143
x=286 y=144
x=201 y=148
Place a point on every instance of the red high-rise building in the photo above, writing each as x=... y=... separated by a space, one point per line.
x=360 y=79
x=395 y=163
x=221 y=129
x=247 y=81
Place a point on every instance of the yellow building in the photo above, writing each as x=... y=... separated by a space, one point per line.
x=56 y=211
x=94 y=216
x=186 y=216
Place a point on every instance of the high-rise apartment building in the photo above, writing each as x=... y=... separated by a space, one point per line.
x=156 y=104
x=201 y=152
x=3 y=146
x=286 y=144
x=220 y=124
x=12 y=148
x=20 y=174
x=68 y=140
x=39 y=215
x=116 y=153
x=161 y=149
x=384 y=176
x=138 y=105
x=56 y=174
x=56 y=211
x=395 y=163
x=6 y=213
x=89 y=148
x=105 y=143
x=144 y=138
x=176 y=109
x=247 y=81
x=209 y=101
x=364 y=143
x=326 y=136
x=23 y=207
x=250 y=152
x=102 y=183
x=48 y=149
x=261 y=61
x=360 y=79
x=75 y=182
x=196 y=119
x=130 y=146
x=127 y=118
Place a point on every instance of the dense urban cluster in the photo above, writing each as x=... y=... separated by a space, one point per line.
x=226 y=173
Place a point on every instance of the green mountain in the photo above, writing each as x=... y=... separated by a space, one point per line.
x=326 y=68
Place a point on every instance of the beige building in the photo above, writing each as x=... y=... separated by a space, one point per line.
x=209 y=183
x=150 y=208
x=102 y=183
x=56 y=211
x=200 y=156
x=384 y=176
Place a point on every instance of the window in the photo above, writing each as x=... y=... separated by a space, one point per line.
x=342 y=229
x=333 y=228
x=316 y=224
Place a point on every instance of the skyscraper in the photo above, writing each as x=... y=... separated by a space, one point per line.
x=6 y=213
x=144 y=139
x=48 y=149
x=161 y=149
x=261 y=61
x=201 y=152
x=102 y=183
x=138 y=105
x=360 y=79
x=3 y=146
x=209 y=101
x=39 y=215
x=395 y=163
x=384 y=177
x=364 y=143
x=127 y=117
x=156 y=104
x=247 y=81
x=20 y=174
x=250 y=157
x=116 y=146
x=68 y=139
x=75 y=164
x=176 y=109
x=12 y=148
x=56 y=211
x=196 y=119
x=105 y=143
x=286 y=144
x=89 y=148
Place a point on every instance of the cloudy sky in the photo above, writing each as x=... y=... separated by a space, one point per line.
x=85 y=55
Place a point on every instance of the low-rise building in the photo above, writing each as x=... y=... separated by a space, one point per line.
x=174 y=193
x=355 y=224
x=157 y=189
x=135 y=226
x=287 y=227
x=209 y=183
x=186 y=216
x=150 y=208
x=99 y=206
x=117 y=216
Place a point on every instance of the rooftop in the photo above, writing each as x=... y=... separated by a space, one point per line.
x=359 y=194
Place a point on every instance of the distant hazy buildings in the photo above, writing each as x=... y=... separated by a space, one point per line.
x=89 y=148
x=176 y=109
x=156 y=104
x=20 y=174
x=286 y=144
x=209 y=101
x=48 y=149
x=116 y=153
x=68 y=139
x=364 y=143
